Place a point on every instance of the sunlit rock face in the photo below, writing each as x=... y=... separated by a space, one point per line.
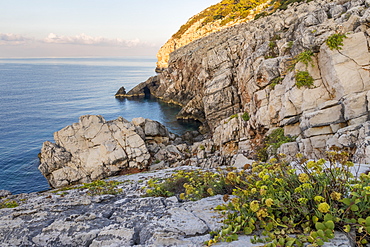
x=92 y=149
x=247 y=68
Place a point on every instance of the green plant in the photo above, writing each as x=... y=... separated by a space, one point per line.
x=303 y=79
x=63 y=189
x=283 y=4
x=224 y=11
x=305 y=57
x=260 y=15
x=189 y=185
x=272 y=44
x=290 y=44
x=284 y=207
x=276 y=81
x=202 y=147
x=8 y=204
x=271 y=143
x=101 y=187
x=233 y=116
x=281 y=204
x=246 y=116
x=335 y=41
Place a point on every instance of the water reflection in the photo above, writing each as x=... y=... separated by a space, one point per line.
x=155 y=109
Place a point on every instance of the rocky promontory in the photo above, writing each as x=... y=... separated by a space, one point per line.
x=254 y=68
x=304 y=70
x=217 y=17
x=95 y=149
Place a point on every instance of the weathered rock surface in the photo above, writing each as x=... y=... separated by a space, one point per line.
x=144 y=89
x=244 y=68
x=75 y=218
x=95 y=148
x=198 y=30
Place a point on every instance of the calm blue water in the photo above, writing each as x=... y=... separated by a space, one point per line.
x=41 y=96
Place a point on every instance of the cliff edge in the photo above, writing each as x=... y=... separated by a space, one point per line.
x=213 y=19
x=305 y=69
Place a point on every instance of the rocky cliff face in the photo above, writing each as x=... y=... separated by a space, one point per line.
x=196 y=30
x=245 y=69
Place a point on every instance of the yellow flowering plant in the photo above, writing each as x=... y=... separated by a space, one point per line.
x=191 y=185
x=308 y=201
x=281 y=204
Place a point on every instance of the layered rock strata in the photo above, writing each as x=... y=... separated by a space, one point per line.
x=199 y=30
x=245 y=68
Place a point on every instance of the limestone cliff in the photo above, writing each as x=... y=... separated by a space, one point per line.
x=245 y=68
x=200 y=26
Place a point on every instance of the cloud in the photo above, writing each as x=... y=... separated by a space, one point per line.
x=83 y=39
x=13 y=39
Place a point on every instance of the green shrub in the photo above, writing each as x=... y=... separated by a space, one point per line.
x=8 y=204
x=335 y=41
x=225 y=11
x=290 y=44
x=283 y=4
x=303 y=79
x=101 y=187
x=271 y=143
x=272 y=45
x=289 y=209
x=246 y=116
x=276 y=81
x=260 y=15
x=190 y=185
x=305 y=57
x=281 y=206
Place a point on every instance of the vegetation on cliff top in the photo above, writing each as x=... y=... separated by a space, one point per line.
x=230 y=10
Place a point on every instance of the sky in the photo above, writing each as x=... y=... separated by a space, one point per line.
x=84 y=28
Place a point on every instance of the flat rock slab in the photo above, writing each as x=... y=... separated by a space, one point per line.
x=74 y=218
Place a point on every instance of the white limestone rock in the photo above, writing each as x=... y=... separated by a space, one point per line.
x=93 y=149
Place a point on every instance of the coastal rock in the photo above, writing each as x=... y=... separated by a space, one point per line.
x=76 y=218
x=197 y=28
x=121 y=91
x=144 y=89
x=252 y=67
x=94 y=149
x=4 y=193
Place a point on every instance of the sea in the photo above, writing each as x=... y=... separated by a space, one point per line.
x=39 y=96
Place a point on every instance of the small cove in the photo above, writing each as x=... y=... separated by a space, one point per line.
x=42 y=95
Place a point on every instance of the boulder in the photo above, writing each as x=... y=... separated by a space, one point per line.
x=92 y=149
